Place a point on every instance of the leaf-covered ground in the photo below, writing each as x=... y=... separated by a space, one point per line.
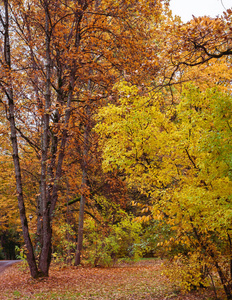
x=141 y=280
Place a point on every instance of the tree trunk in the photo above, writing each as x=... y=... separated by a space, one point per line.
x=10 y=97
x=224 y=281
x=84 y=187
x=45 y=256
x=81 y=221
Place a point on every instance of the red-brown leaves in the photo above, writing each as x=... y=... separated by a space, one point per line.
x=142 y=280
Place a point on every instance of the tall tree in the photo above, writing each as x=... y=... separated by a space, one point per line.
x=54 y=50
x=11 y=110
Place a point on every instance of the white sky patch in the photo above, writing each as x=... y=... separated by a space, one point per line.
x=186 y=8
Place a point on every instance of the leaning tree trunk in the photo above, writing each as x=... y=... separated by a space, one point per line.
x=11 y=111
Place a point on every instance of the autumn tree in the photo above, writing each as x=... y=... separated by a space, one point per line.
x=178 y=157
x=51 y=52
x=196 y=43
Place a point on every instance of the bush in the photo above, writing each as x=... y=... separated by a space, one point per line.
x=188 y=273
x=64 y=244
x=103 y=247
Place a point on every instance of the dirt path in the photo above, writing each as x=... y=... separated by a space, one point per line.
x=6 y=263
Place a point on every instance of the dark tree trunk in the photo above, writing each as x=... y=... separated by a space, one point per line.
x=46 y=251
x=81 y=220
x=84 y=187
x=224 y=281
x=11 y=112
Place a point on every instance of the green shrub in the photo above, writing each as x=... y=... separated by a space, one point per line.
x=104 y=246
x=64 y=244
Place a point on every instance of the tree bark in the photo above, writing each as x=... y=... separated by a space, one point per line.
x=84 y=187
x=46 y=251
x=16 y=160
x=84 y=183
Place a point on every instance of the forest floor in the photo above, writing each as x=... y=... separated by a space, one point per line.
x=140 y=280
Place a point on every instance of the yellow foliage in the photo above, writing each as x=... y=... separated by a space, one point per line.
x=181 y=159
x=187 y=273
